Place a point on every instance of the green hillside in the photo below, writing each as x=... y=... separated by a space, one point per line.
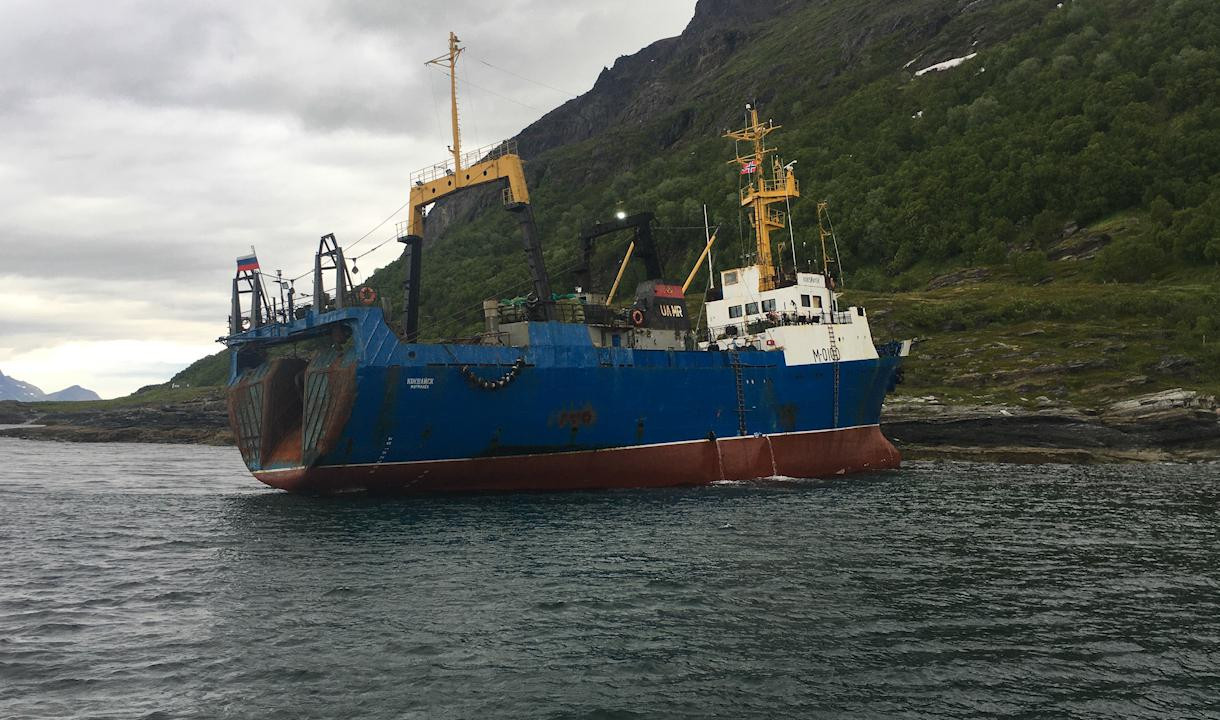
x=1070 y=166
x=1064 y=337
x=206 y=371
x=1097 y=115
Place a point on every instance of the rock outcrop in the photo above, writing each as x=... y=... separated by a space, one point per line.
x=1171 y=425
x=203 y=421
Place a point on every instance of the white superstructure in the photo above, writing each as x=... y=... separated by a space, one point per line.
x=761 y=307
x=802 y=320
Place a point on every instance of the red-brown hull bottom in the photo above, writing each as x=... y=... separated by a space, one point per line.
x=699 y=462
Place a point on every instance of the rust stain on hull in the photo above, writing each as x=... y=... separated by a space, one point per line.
x=291 y=412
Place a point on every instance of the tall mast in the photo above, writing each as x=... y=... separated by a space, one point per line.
x=823 y=233
x=450 y=62
x=497 y=164
x=762 y=192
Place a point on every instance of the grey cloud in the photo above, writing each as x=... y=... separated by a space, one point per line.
x=148 y=139
x=254 y=57
x=329 y=64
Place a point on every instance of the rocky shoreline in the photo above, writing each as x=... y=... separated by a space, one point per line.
x=1172 y=426
x=201 y=421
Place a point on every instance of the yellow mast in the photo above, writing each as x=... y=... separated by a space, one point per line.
x=823 y=233
x=499 y=163
x=763 y=192
x=450 y=62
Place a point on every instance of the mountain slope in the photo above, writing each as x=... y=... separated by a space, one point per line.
x=1068 y=169
x=76 y=393
x=14 y=389
x=1042 y=217
x=1065 y=114
x=796 y=55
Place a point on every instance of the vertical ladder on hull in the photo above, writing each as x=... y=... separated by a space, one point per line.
x=834 y=358
x=735 y=363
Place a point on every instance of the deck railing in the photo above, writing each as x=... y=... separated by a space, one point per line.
x=473 y=157
x=568 y=312
x=759 y=325
x=768 y=186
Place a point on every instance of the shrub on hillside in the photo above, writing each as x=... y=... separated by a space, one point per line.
x=1196 y=233
x=1030 y=267
x=869 y=279
x=1131 y=259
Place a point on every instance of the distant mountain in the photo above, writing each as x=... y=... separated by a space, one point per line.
x=14 y=389
x=76 y=393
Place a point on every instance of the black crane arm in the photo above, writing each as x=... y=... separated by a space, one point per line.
x=645 y=247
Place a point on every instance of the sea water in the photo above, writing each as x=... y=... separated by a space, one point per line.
x=159 y=581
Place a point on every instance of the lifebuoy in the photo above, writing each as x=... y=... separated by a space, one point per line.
x=366 y=295
x=637 y=317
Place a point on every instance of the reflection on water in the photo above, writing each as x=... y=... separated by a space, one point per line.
x=163 y=581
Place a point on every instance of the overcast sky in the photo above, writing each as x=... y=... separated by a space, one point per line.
x=144 y=145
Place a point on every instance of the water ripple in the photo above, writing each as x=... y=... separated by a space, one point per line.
x=162 y=582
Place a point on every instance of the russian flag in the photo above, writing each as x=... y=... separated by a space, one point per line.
x=248 y=262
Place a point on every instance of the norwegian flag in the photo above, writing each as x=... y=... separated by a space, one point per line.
x=748 y=168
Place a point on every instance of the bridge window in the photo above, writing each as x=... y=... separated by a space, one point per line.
x=805 y=301
x=768 y=306
x=751 y=308
x=735 y=311
x=730 y=277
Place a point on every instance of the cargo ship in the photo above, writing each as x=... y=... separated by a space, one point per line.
x=562 y=391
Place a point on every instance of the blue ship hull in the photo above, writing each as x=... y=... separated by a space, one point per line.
x=372 y=413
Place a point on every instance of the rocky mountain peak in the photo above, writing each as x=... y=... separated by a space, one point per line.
x=13 y=389
x=719 y=14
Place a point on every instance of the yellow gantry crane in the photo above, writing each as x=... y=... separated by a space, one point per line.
x=498 y=163
x=494 y=164
x=762 y=191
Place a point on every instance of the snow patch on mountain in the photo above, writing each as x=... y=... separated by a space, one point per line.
x=14 y=389
x=946 y=65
